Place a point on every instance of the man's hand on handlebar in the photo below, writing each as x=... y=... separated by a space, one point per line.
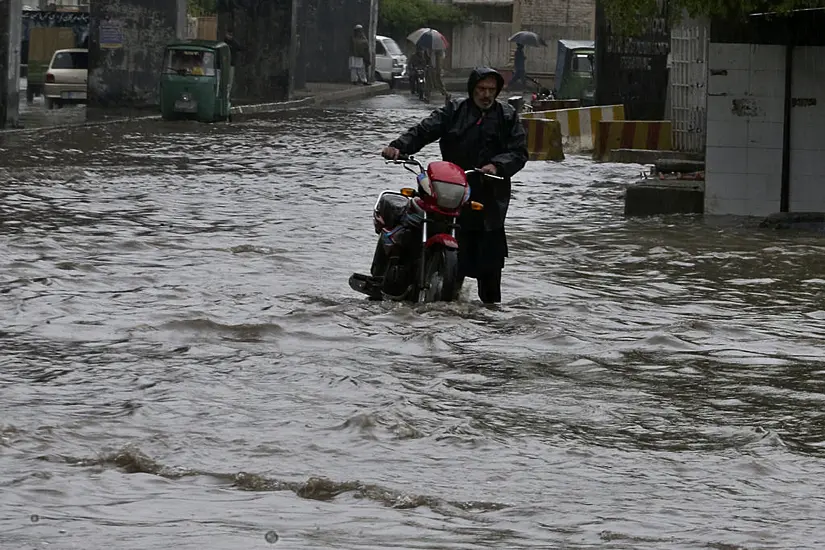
x=490 y=169
x=390 y=153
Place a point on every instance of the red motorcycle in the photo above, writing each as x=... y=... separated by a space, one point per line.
x=416 y=258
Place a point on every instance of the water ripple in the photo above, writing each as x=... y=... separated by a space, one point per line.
x=184 y=364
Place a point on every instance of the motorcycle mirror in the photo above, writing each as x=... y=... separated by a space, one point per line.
x=408 y=192
x=476 y=205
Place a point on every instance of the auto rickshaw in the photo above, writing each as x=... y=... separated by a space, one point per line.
x=195 y=82
x=574 y=71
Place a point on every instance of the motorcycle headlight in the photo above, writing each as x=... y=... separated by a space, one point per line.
x=449 y=195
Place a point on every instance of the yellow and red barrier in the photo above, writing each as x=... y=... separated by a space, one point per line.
x=579 y=126
x=554 y=104
x=543 y=139
x=652 y=135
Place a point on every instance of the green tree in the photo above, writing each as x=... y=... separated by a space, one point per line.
x=197 y=8
x=398 y=18
x=628 y=15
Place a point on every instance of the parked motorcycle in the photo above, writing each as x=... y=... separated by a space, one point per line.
x=416 y=258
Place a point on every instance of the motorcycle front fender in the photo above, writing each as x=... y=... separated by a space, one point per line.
x=443 y=239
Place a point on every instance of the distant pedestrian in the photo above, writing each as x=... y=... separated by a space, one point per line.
x=234 y=48
x=359 y=56
x=418 y=62
x=437 y=68
x=519 y=66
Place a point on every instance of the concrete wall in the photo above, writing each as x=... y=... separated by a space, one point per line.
x=482 y=43
x=126 y=44
x=743 y=159
x=807 y=181
x=746 y=123
x=11 y=25
x=324 y=33
x=553 y=20
x=264 y=71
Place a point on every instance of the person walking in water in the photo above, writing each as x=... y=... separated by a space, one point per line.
x=478 y=132
x=519 y=72
x=234 y=49
x=359 y=56
x=436 y=70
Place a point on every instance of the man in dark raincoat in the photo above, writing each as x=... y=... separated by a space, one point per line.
x=477 y=132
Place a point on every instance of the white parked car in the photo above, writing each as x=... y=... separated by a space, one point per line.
x=66 y=79
x=390 y=61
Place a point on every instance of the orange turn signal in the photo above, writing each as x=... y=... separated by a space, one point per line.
x=476 y=205
x=408 y=192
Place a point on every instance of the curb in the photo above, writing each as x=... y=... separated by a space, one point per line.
x=668 y=197
x=323 y=98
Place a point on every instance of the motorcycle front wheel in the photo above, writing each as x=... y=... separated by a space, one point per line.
x=440 y=276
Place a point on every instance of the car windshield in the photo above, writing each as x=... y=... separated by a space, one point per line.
x=71 y=60
x=582 y=64
x=392 y=47
x=195 y=62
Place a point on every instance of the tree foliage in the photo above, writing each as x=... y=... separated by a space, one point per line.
x=398 y=18
x=198 y=8
x=628 y=15
x=395 y=17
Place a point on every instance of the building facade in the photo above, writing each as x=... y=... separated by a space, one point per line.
x=483 y=40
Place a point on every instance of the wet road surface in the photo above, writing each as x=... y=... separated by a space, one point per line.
x=36 y=115
x=184 y=365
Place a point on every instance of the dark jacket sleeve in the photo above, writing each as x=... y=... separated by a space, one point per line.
x=425 y=132
x=509 y=163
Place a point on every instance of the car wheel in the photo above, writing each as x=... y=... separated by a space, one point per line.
x=378 y=77
x=49 y=103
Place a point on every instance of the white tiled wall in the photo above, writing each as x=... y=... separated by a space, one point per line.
x=808 y=131
x=743 y=159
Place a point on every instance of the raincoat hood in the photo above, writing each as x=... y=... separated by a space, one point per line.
x=480 y=73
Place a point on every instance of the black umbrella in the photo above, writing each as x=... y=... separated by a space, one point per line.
x=528 y=39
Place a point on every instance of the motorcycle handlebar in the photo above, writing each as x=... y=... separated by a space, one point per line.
x=483 y=174
x=409 y=159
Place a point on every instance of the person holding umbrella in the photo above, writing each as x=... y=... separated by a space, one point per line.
x=438 y=57
x=519 y=72
x=434 y=44
x=523 y=38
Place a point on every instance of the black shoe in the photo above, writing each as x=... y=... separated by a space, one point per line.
x=371 y=286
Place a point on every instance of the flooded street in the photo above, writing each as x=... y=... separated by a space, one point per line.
x=36 y=115
x=184 y=364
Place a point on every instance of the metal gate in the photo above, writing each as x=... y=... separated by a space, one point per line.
x=688 y=84
x=632 y=70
